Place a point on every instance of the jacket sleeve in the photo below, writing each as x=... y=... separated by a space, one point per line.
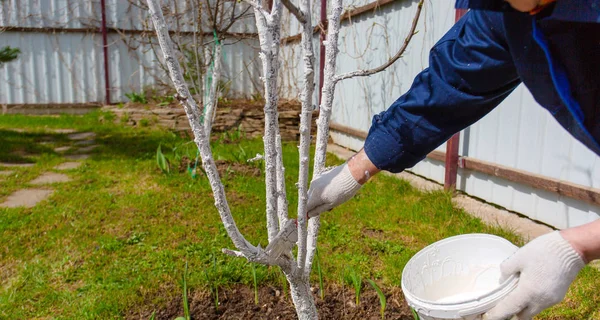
x=470 y=72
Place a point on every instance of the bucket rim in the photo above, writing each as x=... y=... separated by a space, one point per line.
x=508 y=283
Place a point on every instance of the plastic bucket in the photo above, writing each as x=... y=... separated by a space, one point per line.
x=458 y=277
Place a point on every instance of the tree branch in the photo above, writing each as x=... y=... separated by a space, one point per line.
x=331 y=52
x=201 y=140
x=295 y=11
x=398 y=55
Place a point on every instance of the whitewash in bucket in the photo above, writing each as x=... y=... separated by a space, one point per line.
x=458 y=277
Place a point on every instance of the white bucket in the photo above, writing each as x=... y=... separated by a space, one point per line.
x=458 y=277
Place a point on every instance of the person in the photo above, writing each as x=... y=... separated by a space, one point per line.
x=553 y=47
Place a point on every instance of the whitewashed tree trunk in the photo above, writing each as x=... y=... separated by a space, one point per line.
x=268 y=26
x=211 y=105
x=331 y=52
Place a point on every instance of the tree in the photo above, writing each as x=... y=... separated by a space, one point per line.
x=281 y=229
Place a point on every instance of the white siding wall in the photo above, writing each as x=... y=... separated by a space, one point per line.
x=68 y=67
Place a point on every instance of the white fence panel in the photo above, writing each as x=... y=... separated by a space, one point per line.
x=62 y=61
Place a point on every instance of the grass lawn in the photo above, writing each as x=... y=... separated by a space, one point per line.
x=115 y=239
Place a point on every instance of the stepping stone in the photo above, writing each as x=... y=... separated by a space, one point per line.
x=62 y=149
x=50 y=177
x=67 y=166
x=22 y=165
x=81 y=136
x=77 y=156
x=88 y=148
x=6 y=173
x=85 y=142
x=26 y=198
x=64 y=131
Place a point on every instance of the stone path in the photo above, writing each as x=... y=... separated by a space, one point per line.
x=83 y=142
x=49 y=178
x=68 y=165
x=26 y=198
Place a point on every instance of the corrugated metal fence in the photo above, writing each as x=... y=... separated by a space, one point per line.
x=519 y=134
x=62 y=58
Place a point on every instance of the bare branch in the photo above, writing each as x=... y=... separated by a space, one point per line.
x=211 y=106
x=305 y=125
x=191 y=109
x=295 y=11
x=331 y=51
x=257 y=7
x=398 y=55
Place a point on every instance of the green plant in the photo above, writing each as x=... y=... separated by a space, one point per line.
x=415 y=314
x=256 y=96
x=125 y=118
x=284 y=283
x=144 y=122
x=224 y=87
x=320 y=273
x=161 y=161
x=8 y=54
x=356 y=281
x=137 y=97
x=186 y=307
x=239 y=155
x=382 y=299
x=255 y=283
x=211 y=279
x=153 y=315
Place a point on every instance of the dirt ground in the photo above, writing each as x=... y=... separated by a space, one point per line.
x=238 y=303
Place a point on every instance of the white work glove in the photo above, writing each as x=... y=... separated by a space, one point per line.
x=546 y=268
x=330 y=189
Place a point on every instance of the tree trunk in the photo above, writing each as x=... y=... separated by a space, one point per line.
x=302 y=298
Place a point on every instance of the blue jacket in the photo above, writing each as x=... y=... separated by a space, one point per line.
x=480 y=61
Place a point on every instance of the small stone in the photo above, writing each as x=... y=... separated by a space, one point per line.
x=63 y=131
x=50 y=177
x=22 y=165
x=81 y=136
x=62 y=149
x=26 y=198
x=68 y=165
x=77 y=156
x=85 y=142
x=88 y=148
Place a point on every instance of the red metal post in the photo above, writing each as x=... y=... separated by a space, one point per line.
x=322 y=46
x=451 y=165
x=105 y=50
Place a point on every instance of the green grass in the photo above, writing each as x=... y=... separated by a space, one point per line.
x=115 y=240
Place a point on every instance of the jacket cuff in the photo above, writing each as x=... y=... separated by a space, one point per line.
x=385 y=151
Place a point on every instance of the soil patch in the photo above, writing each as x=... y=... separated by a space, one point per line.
x=238 y=303
x=223 y=166
x=26 y=198
x=228 y=167
x=6 y=173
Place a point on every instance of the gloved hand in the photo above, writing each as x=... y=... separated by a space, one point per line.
x=547 y=266
x=330 y=189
